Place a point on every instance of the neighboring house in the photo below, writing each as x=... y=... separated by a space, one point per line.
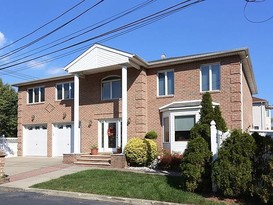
x=111 y=96
x=261 y=114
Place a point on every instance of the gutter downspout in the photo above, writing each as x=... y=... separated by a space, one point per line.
x=242 y=95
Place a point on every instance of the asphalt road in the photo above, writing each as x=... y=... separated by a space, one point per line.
x=31 y=198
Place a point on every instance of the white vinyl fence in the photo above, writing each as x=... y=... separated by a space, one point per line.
x=9 y=146
x=217 y=138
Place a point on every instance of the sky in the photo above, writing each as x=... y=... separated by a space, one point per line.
x=208 y=26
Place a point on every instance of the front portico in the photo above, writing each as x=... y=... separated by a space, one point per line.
x=99 y=59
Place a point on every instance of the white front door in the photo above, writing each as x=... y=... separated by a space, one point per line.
x=109 y=135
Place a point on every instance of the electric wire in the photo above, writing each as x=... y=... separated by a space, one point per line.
x=142 y=21
x=97 y=25
x=39 y=28
x=51 y=32
x=252 y=21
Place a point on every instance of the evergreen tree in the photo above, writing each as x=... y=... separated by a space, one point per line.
x=206 y=112
x=220 y=122
x=8 y=110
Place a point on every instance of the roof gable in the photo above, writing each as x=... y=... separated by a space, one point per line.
x=98 y=56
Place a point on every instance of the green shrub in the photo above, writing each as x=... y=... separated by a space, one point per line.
x=151 y=150
x=232 y=171
x=201 y=130
x=195 y=166
x=263 y=169
x=170 y=161
x=219 y=120
x=136 y=152
x=151 y=135
x=206 y=112
x=140 y=152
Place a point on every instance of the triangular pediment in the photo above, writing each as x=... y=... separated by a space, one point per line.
x=98 y=57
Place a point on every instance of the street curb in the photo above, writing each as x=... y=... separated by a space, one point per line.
x=96 y=197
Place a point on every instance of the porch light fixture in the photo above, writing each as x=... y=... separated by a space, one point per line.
x=90 y=123
x=64 y=115
x=128 y=121
x=32 y=118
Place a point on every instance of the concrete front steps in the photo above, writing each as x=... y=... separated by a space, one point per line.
x=100 y=160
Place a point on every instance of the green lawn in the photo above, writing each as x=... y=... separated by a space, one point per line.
x=125 y=184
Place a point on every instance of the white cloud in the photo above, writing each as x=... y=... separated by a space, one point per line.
x=2 y=39
x=56 y=71
x=36 y=64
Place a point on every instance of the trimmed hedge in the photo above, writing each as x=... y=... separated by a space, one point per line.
x=151 y=135
x=196 y=166
x=263 y=169
x=140 y=152
x=232 y=171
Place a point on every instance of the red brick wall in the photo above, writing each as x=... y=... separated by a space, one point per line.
x=187 y=87
x=91 y=108
x=247 y=106
x=48 y=112
x=143 y=103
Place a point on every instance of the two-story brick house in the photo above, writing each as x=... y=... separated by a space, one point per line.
x=111 y=96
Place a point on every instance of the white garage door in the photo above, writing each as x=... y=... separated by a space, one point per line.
x=62 y=139
x=35 y=140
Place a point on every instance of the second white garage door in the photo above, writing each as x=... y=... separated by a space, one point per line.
x=62 y=139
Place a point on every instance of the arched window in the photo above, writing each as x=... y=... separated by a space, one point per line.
x=111 y=88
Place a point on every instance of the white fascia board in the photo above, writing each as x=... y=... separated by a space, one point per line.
x=183 y=105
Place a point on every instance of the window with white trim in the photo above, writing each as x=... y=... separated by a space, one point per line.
x=182 y=126
x=165 y=83
x=111 y=88
x=65 y=91
x=210 y=77
x=166 y=129
x=36 y=95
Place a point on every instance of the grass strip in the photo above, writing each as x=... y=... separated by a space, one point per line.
x=126 y=184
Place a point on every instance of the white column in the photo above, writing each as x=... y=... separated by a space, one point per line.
x=124 y=107
x=76 y=114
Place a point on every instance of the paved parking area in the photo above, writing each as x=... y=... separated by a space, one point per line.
x=18 y=165
x=23 y=172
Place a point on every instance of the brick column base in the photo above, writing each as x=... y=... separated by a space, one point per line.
x=70 y=158
x=118 y=161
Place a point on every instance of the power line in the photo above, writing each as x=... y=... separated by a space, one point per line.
x=137 y=24
x=252 y=21
x=93 y=27
x=51 y=32
x=39 y=28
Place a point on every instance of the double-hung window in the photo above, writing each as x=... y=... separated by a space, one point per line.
x=36 y=95
x=165 y=83
x=65 y=91
x=210 y=77
x=111 y=88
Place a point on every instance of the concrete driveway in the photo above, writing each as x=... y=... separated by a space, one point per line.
x=24 y=172
x=18 y=165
